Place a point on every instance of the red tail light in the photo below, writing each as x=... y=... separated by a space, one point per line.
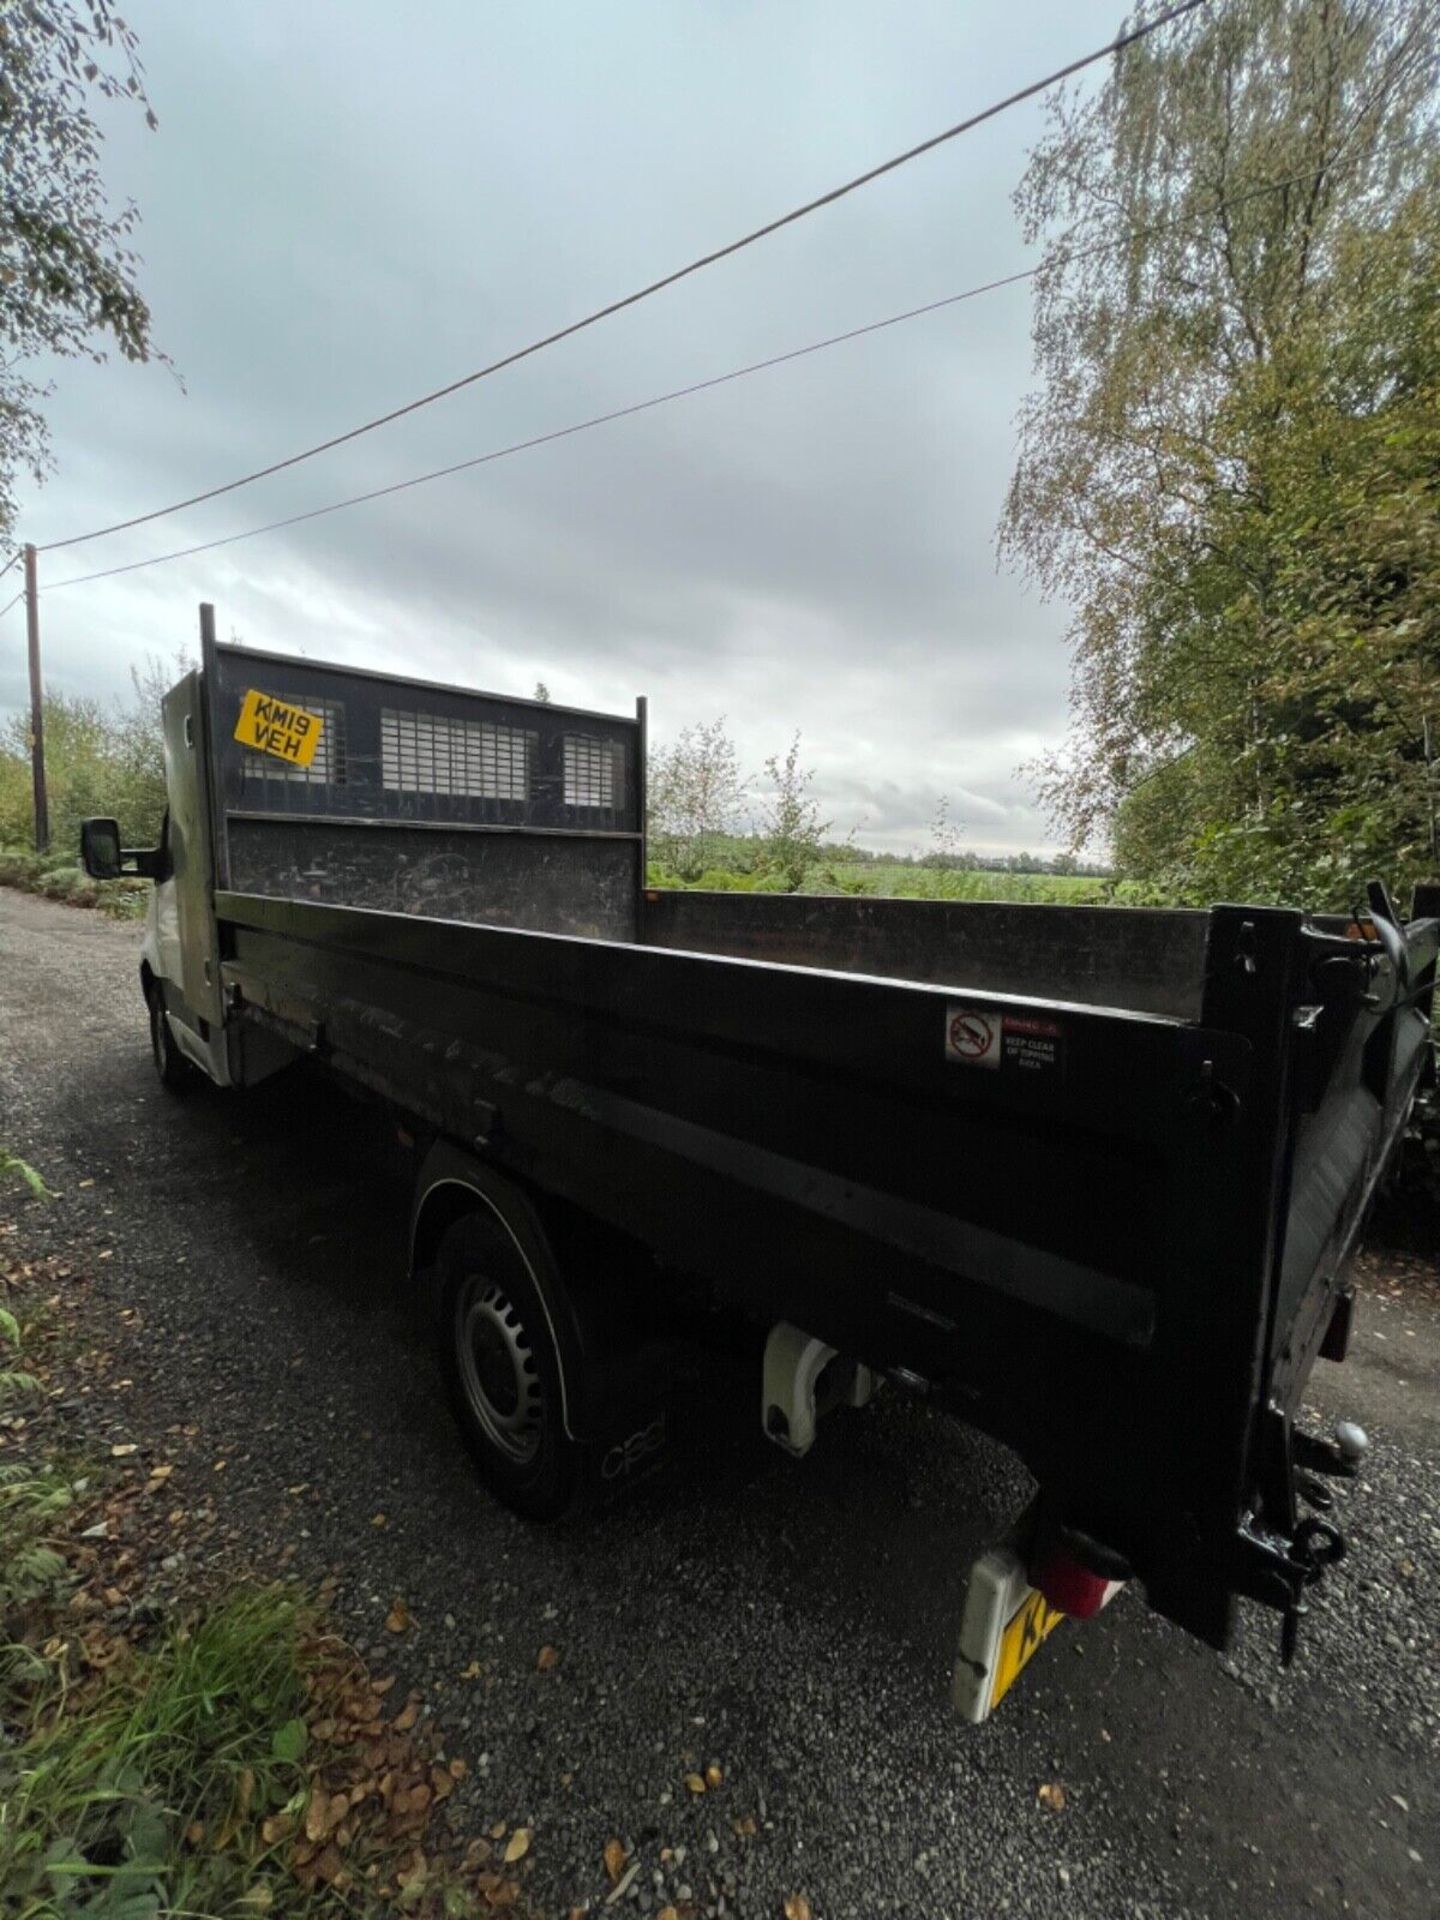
x=1072 y=1588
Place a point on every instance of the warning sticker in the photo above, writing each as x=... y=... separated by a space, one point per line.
x=1032 y=1045
x=1020 y=1043
x=972 y=1037
x=274 y=726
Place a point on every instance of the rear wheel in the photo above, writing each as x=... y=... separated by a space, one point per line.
x=501 y=1364
x=171 y=1067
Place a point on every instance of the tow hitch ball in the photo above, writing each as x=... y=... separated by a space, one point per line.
x=1339 y=1457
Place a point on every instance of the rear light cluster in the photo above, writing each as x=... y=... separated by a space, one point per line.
x=1072 y=1588
x=1076 y=1573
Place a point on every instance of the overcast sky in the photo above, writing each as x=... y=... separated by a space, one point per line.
x=349 y=202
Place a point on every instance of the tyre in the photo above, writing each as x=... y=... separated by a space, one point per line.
x=500 y=1362
x=172 y=1069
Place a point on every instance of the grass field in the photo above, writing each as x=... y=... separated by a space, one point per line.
x=894 y=880
x=929 y=883
x=54 y=877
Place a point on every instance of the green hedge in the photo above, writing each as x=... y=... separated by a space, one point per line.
x=56 y=877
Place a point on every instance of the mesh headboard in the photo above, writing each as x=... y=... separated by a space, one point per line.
x=425 y=799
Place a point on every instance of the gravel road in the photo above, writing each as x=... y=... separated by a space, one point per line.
x=792 y=1622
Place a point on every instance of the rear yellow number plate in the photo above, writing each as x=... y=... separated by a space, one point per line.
x=279 y=727
x=1027 y=1629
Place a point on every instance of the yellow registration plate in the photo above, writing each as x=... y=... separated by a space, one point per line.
x=279 y=727
x=1027 y=1629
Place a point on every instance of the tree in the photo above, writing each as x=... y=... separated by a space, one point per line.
x=695 y=793
x=1231 y=466
x=101 y=759
x=791 y=828
x=947 y=840
x=541 y=693
x=67 y=268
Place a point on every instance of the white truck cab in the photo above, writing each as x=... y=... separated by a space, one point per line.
x=179 y=956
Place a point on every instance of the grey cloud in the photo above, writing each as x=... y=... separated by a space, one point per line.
x=341 y=210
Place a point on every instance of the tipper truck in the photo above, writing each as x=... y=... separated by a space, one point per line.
x=1087 y=1177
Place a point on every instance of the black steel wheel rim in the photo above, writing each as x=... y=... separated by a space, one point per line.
x=499 y=1375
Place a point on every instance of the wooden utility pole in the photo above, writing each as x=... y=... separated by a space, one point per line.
x=37 y=706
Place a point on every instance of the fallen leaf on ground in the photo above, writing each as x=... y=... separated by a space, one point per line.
x=614 y=1859
x=124 y=1449
x=519 y=1846
x=1052 y=1795
x=398 y=1618
x=331 y=1865
x=547 y=1659
x=317 y=1814
x=668 y=1913
x=379 y=1520
x=714 y=1777
x=797 y=1907
x=472 y=1672
x=412 y=1881
x=695 y=1783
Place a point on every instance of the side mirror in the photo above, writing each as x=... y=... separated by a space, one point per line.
x=103 y=857
x=100 y=848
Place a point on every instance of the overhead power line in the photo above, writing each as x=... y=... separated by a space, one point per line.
x=558 y=433
x=1117 y=45
x=675 y=393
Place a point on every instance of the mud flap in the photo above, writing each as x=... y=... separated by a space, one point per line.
x=629 y=1420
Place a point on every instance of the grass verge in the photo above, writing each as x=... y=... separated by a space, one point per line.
x=217 y=1757
x=146 y=1787
x=58 y=878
